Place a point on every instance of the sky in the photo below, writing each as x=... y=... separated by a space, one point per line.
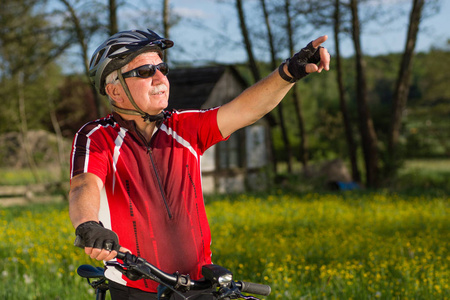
x=203 y=20
x=208 y=31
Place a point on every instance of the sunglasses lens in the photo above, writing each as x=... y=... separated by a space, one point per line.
x=164 y=68
x=150 y=70
x=146 y=71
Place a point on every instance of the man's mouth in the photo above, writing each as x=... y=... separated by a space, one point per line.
x=159 y=90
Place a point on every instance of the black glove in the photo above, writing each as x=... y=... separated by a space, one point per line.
x=297 y=63
x=93 y=234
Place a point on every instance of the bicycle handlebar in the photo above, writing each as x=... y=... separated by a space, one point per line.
x=254 y=288
x=135 y=267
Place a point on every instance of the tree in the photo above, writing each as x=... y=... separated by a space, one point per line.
x=166 y=23
x=351 y=145
x=84 y=26
x=247 y=42
x=252 y=65
x=402 y=86
x=113 y=26
x=27 y=47
x=295 y=96
x=284 y=134
x=367 y=131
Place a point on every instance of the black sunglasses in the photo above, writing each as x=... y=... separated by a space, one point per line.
x=147 y=71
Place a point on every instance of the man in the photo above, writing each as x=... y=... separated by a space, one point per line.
x=135 y=174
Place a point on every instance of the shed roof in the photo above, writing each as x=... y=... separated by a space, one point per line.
x=191 y=87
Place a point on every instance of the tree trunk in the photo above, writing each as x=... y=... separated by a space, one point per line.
x=296 y=96
x=402 y=86
x=282 y=122
x=274 y=66
x=24 y=128
x=367 y=130
x=166 y=25
x=351 y=145
x=59 y=137
x=248 y=46
x=84 y=53
x=113 y=27
x=255 y=72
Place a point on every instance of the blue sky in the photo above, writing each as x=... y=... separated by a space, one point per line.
x=209 y=31
x=195 y=43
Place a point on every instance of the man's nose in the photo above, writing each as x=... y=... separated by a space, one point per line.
x=158 y=75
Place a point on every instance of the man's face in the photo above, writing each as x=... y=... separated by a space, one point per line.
x=150 y=94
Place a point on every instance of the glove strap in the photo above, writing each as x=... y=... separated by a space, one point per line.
x=283 y=74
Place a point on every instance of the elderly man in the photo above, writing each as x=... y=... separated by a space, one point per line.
x=135 y=174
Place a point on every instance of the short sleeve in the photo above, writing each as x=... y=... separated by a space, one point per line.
x=209 y=133
x=90 y=153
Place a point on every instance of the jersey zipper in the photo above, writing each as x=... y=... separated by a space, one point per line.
x=158 y=179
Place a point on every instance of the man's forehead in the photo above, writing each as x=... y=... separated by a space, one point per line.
x=145 y=58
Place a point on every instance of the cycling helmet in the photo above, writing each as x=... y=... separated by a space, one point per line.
x=119 y=50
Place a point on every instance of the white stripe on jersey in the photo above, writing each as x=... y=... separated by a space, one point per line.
x=88 y=142
x=179 y=139
x=86 y=161
x=180 y=112
x=118 y=144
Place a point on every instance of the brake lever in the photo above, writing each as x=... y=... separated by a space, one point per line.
x=133 y=269
x=120 y=267
x=232 y=292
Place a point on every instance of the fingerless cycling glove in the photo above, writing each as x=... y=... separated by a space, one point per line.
x=94 y=235
x=297 y=63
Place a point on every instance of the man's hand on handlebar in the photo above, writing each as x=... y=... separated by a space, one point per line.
x=98 y=242
x=103 y=254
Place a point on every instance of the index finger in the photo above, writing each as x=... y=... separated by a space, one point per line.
x=317 y=42
x=324 y=59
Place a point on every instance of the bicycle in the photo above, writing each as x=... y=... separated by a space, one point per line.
x=216 y=277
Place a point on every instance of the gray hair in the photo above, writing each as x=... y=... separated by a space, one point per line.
x=112 y=78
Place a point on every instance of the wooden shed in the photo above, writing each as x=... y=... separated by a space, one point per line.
x=235 y=165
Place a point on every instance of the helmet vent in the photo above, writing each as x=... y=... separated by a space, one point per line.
x=97 y=58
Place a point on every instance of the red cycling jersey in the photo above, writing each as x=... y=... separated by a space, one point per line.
x=152 y=195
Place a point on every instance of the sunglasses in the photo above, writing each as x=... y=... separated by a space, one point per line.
x=147 y=71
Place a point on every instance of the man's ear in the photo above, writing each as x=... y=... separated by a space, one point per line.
x=114 y=92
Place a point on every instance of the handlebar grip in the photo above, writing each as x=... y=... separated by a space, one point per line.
x=79 y=243
x=255 y=288
x=121 y=255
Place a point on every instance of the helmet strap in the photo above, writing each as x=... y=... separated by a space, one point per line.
x=138 y=112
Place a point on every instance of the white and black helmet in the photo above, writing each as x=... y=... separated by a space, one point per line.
x=119 y=50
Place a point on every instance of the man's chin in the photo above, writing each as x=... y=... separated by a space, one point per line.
x=159 y=110
x=162 y=105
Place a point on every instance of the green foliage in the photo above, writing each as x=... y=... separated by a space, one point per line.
x=9 y=176
x=27 y=73
x=425 y=127
x=423 y=176
x=31 y=40
x=427 y=131
x=431 y=80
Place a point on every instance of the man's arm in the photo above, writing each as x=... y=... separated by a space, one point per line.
x=263 y=96
x=84 y=198
x=84 y=206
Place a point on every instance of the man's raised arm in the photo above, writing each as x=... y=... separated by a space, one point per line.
x=265 y=95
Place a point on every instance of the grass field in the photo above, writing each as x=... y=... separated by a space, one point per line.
x=311 y=246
